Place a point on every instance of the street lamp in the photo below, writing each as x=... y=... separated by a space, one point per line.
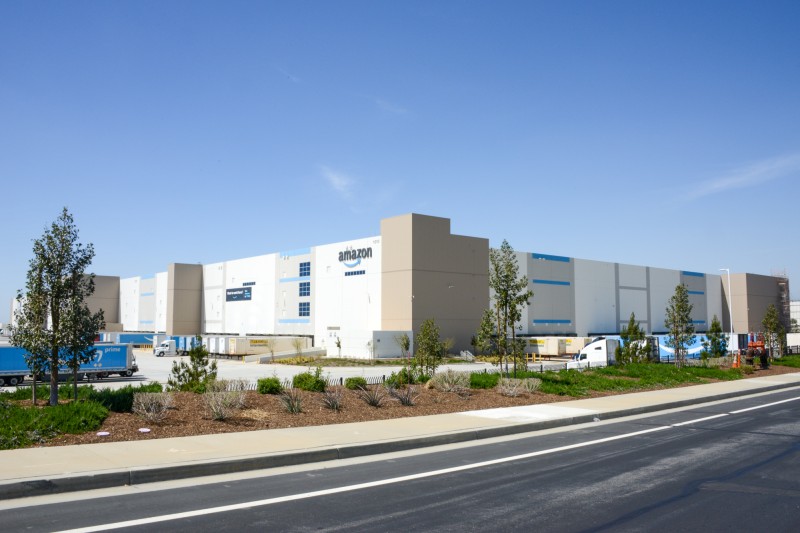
x=730 y=300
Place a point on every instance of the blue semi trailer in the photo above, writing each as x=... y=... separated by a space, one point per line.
x=108 y=359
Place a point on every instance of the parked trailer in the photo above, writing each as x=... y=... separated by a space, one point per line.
x=108 y=359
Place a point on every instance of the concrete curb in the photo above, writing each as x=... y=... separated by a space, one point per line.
x=136 y=476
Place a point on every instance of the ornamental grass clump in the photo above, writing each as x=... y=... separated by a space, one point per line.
x=220 y=404
x=510 y=387
x=292 y=401
x=332 y=399
x=451 y=381
x=152 y=406
x=406 y=396
x=374 y=396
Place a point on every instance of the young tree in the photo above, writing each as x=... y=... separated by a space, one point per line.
x=716 y=343
x=194 y=375
x=772 y=328
x=54 y=324
x=485 y=336
x=510 y=294
x=428 y=347
x=678 y=321
x=633 y=348
x=269 y=344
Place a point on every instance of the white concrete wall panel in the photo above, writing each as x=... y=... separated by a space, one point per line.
x=595 y=297
x=129 y=303
x=256 y=315
x=632 y=276
x=713 y=298
x=662 y=287
x=161 y=302
x=632 y=301
x=348 y=296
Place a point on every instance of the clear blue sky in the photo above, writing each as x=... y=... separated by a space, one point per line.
x=653 y=133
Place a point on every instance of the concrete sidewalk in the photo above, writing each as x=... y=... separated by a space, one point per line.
x=38 y=471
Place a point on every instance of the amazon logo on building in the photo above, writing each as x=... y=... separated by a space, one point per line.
x=352 y=257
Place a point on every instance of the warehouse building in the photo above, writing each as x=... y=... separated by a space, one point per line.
x=362 y=293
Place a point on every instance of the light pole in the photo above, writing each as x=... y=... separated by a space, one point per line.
x=730 y=302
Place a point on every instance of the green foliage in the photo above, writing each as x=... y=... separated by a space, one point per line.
x=792 y=361
x=355 y=383
x=373 y=396
x=716 y=343
x=25 y=426
x=270 y=385
x=292 y=401
x=678 y=321
x=406 y=376
x=53 y=323
x=197 y=373
x=404 y=343
x=428 y=349
x=481 y=380
x=310 y=382
x=120 y=400
x=633 y=348
x=510 y=295
x=773 y=329
x=301 y=360
x=485 y=336
x=332 y=399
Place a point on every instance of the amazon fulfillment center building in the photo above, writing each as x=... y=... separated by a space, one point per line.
x=366 y=291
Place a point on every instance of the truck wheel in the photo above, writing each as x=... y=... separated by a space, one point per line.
x=127 y=373
x=12 y=381
x=2 y=382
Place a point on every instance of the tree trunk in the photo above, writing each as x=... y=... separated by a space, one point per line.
x=75 y=381
x=54 y=377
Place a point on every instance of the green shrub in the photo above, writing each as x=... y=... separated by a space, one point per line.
x=309 y=382
x=355 y=383
x=482 y=380
x=121 y=400
x=271 y=385
x=74 y=417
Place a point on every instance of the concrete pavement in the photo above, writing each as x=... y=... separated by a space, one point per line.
x=38 y=471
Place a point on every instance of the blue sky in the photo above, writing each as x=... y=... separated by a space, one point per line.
x=652 y=133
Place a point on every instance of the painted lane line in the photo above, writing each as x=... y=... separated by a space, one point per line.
x=762 y=406
x=699 y=420
x=390 y=481
x=350 y=488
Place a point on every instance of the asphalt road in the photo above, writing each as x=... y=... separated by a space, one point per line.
x=729 y=466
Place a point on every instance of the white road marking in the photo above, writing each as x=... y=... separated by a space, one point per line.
x=390 y=481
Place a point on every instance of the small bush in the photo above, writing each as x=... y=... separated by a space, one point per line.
x=292 y=400
x=310 y=382
x=121 y=400
x=373 y=396
x=236 y=389
x=332 y=399
x=531 y=385
x=220 y=404
x=407 y=396
x=483 y=380
x=74 y=417
x=451 y=381
x=152 y=406
x=355 y=383
x=271 y=385
x=510 y=387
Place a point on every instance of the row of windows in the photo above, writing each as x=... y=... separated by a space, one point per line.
x=355 y=272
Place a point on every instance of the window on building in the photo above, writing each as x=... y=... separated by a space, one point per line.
x=305 y=269
x=305 y=309
x=305 y=288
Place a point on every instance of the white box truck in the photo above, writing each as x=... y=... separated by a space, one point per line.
x=600 y=352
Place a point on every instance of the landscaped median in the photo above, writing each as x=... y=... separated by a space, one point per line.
x=229 y=406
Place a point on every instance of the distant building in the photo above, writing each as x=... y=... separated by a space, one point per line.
x=366 y=291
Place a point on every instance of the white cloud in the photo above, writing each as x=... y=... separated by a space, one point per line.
x=341 y=183
x=748 y=176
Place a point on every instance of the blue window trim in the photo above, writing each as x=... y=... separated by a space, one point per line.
x=300 y=251
x=700 y=293
x=551 y=321
x=695 y=274
x=147 y=294
x=288 y=280
x=550 y=282
x=548 y=257
x=294 y=321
